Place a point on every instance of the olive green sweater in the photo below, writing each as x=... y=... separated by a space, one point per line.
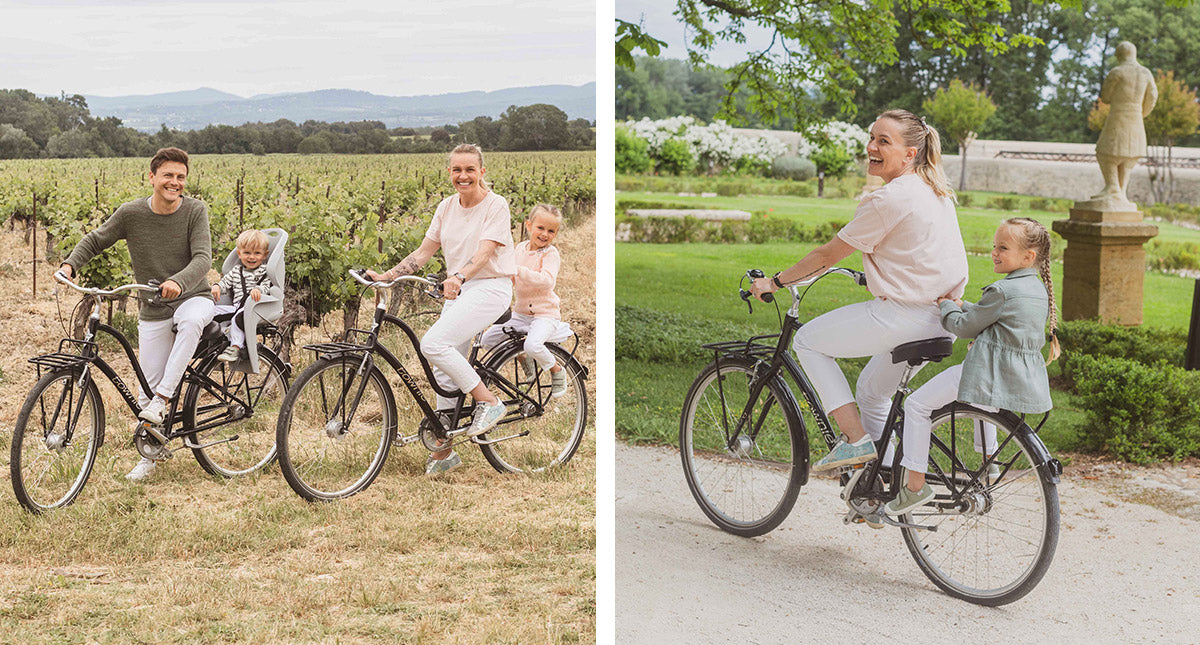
x=162 y=247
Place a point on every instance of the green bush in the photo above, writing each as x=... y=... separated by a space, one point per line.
x=964 y=199
x=759 y=229
x=675 y=157
x=1004 y=203
x=1138 y=412
x=1172 y=256
x=1144 y=345
x=632 y=152
x=793 y=168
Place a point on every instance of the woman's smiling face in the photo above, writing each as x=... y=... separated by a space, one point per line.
x=888 y=156
x=465 y=172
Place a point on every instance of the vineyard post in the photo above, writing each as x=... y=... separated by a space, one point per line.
x=382 y=212
x=34 y=243
x=97 y=181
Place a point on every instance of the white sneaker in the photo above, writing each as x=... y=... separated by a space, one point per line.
x=142 y=470
x=230 y=354
x=487 y=415
x=154 y=411
x=558 y=383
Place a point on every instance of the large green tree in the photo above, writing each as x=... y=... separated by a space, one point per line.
x=960 y=111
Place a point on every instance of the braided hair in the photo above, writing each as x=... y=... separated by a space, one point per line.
x=1035 y=236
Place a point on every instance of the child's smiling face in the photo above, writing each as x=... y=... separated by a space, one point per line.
x=251 y=257
x=542 y=230
x=1008 y=254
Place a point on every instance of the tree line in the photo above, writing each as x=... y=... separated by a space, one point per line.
x=63 y=127
x=1044 y=84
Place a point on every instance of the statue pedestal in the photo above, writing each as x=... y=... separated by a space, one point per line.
x=1104 y=264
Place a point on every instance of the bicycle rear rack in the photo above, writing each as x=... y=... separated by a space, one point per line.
x=324 y=350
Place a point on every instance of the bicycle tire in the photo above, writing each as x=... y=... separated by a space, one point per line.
x=324 y=462
x=554 y=435
x=48 y=472
x=1000 y=543
x=254 y=428
x=747 y=490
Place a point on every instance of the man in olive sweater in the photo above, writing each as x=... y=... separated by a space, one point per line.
x=168 y=239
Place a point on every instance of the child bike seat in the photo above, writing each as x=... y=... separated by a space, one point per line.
x=919 y=351
x=504 y=317
x=257 y=314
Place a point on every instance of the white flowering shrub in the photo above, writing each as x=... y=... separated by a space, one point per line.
x=716 y=146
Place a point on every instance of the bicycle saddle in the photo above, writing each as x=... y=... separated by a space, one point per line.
x=919 y=351
x=504 y=317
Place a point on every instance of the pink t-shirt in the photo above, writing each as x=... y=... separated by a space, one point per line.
x=912 y=249
x=537 y=273
x=460 y=230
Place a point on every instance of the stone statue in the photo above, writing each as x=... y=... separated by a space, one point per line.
x=1130 y=92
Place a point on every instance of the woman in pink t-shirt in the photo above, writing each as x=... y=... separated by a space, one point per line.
x=473 y=229
x=912 y=254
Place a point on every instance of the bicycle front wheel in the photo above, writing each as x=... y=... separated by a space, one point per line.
x=335 y=429
x=235 y=413
x=58 y=433
x=745 y=480
x=995 y=536
x=529 y=440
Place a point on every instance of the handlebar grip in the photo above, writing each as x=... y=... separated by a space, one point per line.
x=768 y=297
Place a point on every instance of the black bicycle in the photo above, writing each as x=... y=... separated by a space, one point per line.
x=990 y=532
x=341 y=417
x=226 y=417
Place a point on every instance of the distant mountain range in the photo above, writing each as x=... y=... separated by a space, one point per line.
x=194 y=109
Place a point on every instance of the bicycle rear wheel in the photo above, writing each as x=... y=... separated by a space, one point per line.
x=239 y=411
x=537 y=440
x=332 y=441
x=58 y=433
x=995 y=538
x=746 y=484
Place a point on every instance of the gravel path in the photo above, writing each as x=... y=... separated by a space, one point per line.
x=1124 y=572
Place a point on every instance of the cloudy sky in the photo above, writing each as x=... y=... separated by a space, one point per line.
x=248 y=47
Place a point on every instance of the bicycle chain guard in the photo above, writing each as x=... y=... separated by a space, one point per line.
x=148 y=445
x=863 y=508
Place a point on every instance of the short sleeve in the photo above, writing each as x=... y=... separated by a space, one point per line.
x=497 y=224
x=434 y=232
x=873 y=220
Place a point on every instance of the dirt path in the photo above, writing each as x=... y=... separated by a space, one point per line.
x=1124 y=571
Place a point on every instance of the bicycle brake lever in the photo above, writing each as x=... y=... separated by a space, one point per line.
x=746 y=297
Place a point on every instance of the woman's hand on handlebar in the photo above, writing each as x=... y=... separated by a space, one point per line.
x=378 y=277
x=762 y=285
x=451 y=287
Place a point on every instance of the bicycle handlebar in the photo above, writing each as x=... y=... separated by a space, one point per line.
x=382 y=284
x=859 y=278
x=104 y=293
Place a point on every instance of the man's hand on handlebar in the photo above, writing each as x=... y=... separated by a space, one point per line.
x=68 y=271
x=170 y=289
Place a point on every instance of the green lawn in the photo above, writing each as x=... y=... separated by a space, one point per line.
x=700 y=283
x=977 y=224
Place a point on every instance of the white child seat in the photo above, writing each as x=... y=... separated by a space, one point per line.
x=270 y=307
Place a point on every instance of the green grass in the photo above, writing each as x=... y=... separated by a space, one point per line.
x=698 y=283
x=977 y=224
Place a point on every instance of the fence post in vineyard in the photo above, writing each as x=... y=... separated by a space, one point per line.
x=241 y=197
x=33 y=243
x=97 y=182
x=382 y=212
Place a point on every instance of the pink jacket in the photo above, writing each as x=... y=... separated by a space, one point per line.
x=533 y=286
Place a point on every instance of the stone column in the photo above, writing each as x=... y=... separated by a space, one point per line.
x=1104 y=263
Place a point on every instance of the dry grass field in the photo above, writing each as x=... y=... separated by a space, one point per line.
x=474 y=556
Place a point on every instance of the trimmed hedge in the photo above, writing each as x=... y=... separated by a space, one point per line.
x=661 y=337
x=1143 y=345
x=1138 y=412
x=757 y=230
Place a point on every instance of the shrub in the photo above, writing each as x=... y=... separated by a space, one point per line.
x=661 y=337
x=1173 y=256
x=759 y=229
x=833 y=159
x=675 y=157
x=1004 y=203
x=1138 y=412
x=964 y=199
x=632 y=152
x=793 y=168
x=1144 y=345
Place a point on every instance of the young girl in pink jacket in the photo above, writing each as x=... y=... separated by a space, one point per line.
x=536 y=309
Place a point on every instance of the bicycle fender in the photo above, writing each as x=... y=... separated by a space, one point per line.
x=1041 y=455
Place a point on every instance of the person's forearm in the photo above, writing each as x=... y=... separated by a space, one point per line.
x=415 y=260
x=818 y=260
x=485 y=252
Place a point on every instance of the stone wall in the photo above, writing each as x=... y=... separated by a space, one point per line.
x=1067 y=179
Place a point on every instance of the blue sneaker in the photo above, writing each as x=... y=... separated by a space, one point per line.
x=907 y=500
x=487 y=415
x=846 y=454
x=439 y=466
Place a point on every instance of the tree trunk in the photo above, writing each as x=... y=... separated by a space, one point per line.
x=820 y=183
x=962 y=166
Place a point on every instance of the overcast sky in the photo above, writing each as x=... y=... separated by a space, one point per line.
x=247 y=47
x=658 y=20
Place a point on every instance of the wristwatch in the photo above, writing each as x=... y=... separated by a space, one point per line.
x=461 y=277
x=775 y=279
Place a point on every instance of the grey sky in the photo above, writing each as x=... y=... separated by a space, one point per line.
x=247 y=47
x=657 y=19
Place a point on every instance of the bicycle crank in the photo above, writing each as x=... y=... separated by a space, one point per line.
x=150 y=442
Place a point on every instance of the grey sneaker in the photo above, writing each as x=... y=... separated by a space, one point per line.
x=142 y=470
x=439 y=466
x=558 y=383
x=229 y=355
x=907 y=500
x=993 y=472
x=846 y=454
x=529 y=367
x=487 y=416
x=154 y=411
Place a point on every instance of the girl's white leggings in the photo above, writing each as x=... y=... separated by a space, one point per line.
x=448 y=341
x=871 y=328
x=163 y=354
x=539 y=330
x=938 y=391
